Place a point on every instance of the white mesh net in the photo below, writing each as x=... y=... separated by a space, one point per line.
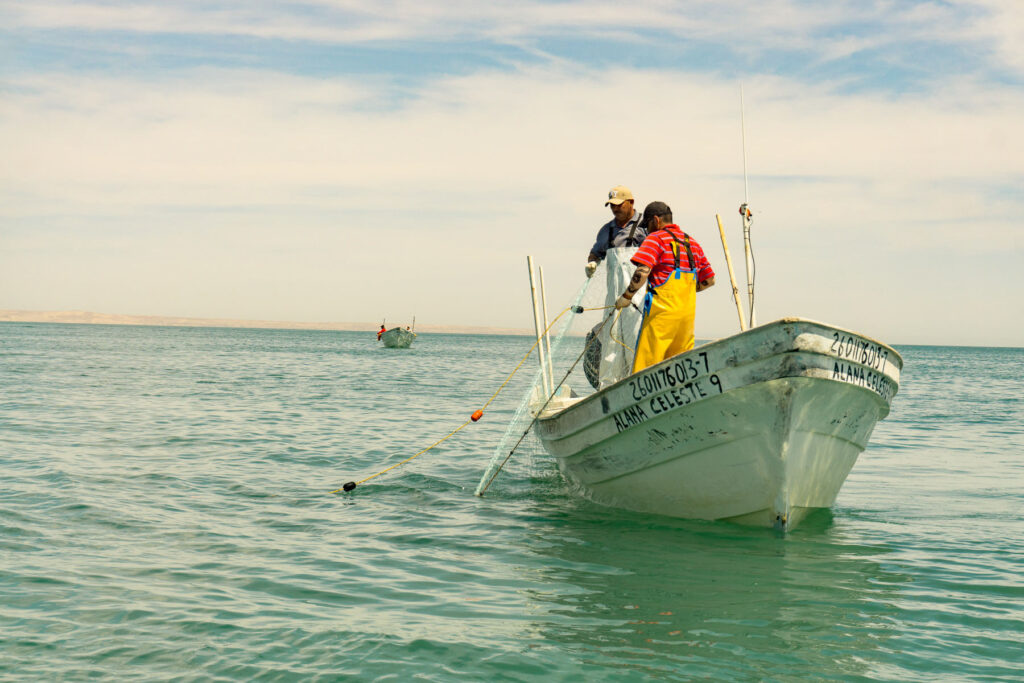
x=596 y=342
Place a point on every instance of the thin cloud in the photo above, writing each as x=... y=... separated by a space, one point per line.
x=1002 y=24
x=825 y=32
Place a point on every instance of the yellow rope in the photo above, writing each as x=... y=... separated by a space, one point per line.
x=494 y=396
x=552 y=324
x=451 y=434
x=611 y=333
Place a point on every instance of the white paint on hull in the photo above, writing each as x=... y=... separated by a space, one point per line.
x=397 y=338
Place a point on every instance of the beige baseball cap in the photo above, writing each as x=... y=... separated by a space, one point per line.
x=618 y=194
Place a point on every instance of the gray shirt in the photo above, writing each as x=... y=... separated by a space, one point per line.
x=611 y=235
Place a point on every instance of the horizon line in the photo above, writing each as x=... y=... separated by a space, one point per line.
x=79 y=317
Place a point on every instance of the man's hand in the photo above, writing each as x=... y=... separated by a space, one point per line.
x=622 y=302
x=591 y=267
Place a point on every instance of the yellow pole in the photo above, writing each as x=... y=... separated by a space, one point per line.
x=732 y=278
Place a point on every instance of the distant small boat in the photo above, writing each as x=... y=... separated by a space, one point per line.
x=398 y=338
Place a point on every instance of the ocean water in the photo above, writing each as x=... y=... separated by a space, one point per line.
x=165 y=514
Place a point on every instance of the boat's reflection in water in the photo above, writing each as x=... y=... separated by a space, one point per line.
x=659 y=596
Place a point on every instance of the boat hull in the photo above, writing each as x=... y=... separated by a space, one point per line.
x=397 y=338
x=759 y=428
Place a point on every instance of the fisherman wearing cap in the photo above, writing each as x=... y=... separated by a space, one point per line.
x=616 y=243
x=621 y=231
x=674 y=268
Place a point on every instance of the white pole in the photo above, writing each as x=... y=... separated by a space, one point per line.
x=537 y=328
x=547 y=335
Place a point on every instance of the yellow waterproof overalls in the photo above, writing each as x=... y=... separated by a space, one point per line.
x=669 y=310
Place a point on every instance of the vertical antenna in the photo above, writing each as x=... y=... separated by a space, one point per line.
x=747 y=217
x=743 y=137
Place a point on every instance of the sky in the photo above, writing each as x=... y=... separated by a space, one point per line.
x=348 y=160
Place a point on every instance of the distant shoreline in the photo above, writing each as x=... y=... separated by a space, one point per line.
x=92 y=318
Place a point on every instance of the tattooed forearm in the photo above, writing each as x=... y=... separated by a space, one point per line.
x=638 y=280
x=704 y=284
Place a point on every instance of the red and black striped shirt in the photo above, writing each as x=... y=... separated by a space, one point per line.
x=656 y=253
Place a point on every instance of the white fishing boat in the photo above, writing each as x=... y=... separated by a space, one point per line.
x=757 y=428
x=398 y=338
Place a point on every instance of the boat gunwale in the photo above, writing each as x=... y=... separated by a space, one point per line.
x=760 y=329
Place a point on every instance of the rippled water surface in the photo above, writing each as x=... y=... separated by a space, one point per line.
x=165 y=514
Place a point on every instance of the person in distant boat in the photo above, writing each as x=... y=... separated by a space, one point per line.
x=623 y=230
x=380 y=332
x=674 y=268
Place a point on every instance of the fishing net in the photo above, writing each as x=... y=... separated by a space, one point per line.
x=589 y=337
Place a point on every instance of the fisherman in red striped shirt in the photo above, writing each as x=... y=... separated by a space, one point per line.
x=675 y=268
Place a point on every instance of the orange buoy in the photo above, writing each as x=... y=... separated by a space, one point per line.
x=476 y=416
